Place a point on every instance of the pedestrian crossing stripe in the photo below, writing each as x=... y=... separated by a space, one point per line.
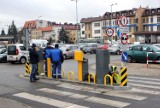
x=115 y=94
x=145 y=82
x=152 y=92
x=143 y=78
x=143 y=85
x=48 y=101
x=87 y=98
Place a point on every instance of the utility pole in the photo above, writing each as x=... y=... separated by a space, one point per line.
x=77 y=20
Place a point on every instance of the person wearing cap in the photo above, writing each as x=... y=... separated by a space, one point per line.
x=34 y=59
x=57 y=60
x=46 y=53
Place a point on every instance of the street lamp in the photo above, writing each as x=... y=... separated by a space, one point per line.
x=111 y=16
x=77 y=19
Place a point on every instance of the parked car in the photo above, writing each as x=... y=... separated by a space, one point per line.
x=158 y=45
x=17 y=53
x=115 y=49
x=90 y=48
x=3 y=55
x=138 y=53
x=2 y=46
x=68 y=50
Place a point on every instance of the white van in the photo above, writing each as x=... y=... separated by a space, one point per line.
x=39 y=42
x=17 y=53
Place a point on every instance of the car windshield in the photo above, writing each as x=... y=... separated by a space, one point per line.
x=158 y=46
x=156 y=49
x=63 y=48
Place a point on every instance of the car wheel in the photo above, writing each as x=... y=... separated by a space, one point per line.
x=130 y=59
x=12 y=62
x=64 y=56
x=158 y=58
x=23 y=60
x=118 y=52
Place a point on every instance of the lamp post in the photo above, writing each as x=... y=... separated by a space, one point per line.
x=111 y=18
x=77 y=19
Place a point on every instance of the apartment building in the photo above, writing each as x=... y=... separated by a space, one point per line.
x=40 y=29
x=151 y=27
x=140 y=20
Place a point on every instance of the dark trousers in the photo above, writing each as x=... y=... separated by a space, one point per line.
x=56 y=65
x=33 y=72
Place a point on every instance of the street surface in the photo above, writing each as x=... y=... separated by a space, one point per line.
x=17 y=92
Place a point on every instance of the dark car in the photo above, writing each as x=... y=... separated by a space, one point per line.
x=3 y=55
x=138 y=53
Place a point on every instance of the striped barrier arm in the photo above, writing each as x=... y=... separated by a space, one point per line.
x=153 y=61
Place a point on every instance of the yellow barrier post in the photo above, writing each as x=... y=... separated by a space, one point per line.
x=28 y=68
x=123 y=76
x=111 y=80
x=78 y=56
x=118 y=77
x=49 y=67
x=63 y=73
x=69 y=73
x=89 y=77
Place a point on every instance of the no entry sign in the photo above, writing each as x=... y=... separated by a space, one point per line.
x=124 y=39
x=122 y=21
x=109 y=32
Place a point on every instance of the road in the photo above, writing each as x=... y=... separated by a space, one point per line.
x=18 y=92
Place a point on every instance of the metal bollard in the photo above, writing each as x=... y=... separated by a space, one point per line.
x=49 y=67
x=118 y=77
x=69 y=73
x=111 y=80
x=89 y=77
x=123 y=76
x=63 y=73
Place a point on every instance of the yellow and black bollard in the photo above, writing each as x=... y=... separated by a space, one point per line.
x=28 y=68
x=123 y=76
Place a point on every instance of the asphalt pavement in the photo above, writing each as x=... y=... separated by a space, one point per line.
x=17 y=92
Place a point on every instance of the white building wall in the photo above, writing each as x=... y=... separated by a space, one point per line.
x=57 y=30
x=82 y=29
x=96 y=28
x=41 y=23
x=155 y=22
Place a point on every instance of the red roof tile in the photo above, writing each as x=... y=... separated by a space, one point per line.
x=45 y=29
x=30 y=24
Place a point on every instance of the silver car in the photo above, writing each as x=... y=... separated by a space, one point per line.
x=115 y=49
x=68 y=50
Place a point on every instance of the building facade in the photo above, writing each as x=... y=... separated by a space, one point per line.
x=143 y=24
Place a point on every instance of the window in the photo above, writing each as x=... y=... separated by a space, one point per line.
x=158 y=19
x=158 y=28
x=82 y=25
x=151 y=28
x=136 y=48
x=151 y=20
x=136 y=20
x=96 y=24
x=135 y=28
x=158 y=10
x=144 y=28
x=144 y=20
x=83 y=32
x=145 y=48
x=147 y=28
x=130 y=21
x=97 y=31
x=147 y=20
x=130 y=29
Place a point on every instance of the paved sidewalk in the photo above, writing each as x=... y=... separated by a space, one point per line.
x=139 y=69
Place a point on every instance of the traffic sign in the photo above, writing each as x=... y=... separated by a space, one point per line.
x=124 y=56
x=124 y=21
x=119 y=21
x=109 y=32
x=124 y=38
x=124 y=29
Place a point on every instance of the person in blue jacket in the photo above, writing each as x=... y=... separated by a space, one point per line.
x=57 y=60
x=47 y=52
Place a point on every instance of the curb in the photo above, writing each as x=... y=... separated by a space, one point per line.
x=116 y=87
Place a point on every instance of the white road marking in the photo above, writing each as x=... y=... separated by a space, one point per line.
x=107 y=102
x=87 y=98
x=146 y=86
x=144 y=82
x=143 y=78
x=145 y=91
x=49 y=101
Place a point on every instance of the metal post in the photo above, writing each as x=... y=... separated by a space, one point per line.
x=77 y=20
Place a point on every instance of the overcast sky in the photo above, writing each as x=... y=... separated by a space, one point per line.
x=62 y=10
